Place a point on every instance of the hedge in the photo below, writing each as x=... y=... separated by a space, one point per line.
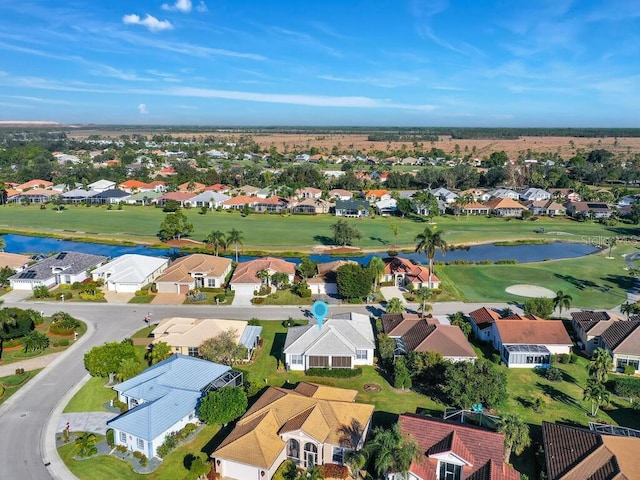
x=334 y=372
x=625 y=387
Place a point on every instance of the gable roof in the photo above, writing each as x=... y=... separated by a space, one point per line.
x=210 y=196
x=532 y=332
x=247 y=272
x=130 y=268
x=482 y=450
x=71 y=263
x=180 y=270
x=101 y=184
x=33 y=184
x=396 y=265
x=321 y=412
x=191 y=332
x=592 y=322
x=623 y=337
x=498 y=203
x=577 y=453
x=484 y=317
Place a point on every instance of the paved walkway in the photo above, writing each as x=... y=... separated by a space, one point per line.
x=95 y=422
x=392 y=292
x=28 y=365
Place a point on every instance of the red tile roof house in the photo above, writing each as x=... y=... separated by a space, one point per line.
x=245 y=277
x=505 y=207
x=482 y=321
x=415 y=334
x=239 y=202
x=33 y=184
x=454 y=451
x=403 y=271
x=218 y=187
x=525 y=343
x=132 y=186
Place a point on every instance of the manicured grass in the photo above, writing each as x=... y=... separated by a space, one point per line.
x=285 y=297
x=142 y=299
x=593 y=281
x=106 y=467
x=91 y=397
x=8 y=391
x=211 y=299
x=136 y=224
x=145 y=332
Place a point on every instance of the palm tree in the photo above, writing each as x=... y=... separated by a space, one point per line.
x=395 y=306
x=356 y=462
x=600 y=365
x=391 y=451
x=424 y=295
x=459 y=320
x=86 y=445
x=35 y=341
x=129 y=368
x=159 y=351
x=627 y=308
x=516 y=435
x=376 y=265
x=561 y=301
x=396 y=231
x=506 y=312
x=263 y=275
x=235 y=237
x=597 y=393
x=428 y=242
x=311 y=473
x=216 y=239
x=611 y=241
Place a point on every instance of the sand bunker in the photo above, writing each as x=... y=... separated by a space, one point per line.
x=530 y=291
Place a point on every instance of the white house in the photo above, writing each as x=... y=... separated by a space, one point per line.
x=209 y=199
x=61 y=268
x=102 y=185
x=387 y=206
x=444 y=194
x=129 y=273
x=164 y=398
x=504 y=193
x=344 y=341
x=535 y=194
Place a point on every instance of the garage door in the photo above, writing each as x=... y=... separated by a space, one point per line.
x=244 y=289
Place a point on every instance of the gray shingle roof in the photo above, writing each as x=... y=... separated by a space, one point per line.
x=69 y=263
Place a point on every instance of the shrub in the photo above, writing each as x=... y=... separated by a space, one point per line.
x=573 y=358
x=67 y=295
x=121 y=448
x=187 y=430
x=123 y=407
x=626 y=387
x=334 y=372
x=92 y=297
x=41 y=292
x=286 y=471
x=495 y=358
x=170 y=442
x=562 y=358
x=19 y=371
x=333 y=470
x=18 y=323
x=554 y=374
x=197 y=297
x=629 y=370
x=16 y=342
x=257 y=301
x=64 y=342
x=110 y=437
x=55 y=344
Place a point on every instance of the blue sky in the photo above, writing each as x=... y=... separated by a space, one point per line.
x=330 y=62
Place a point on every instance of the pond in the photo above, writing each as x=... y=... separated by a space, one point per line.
x=521 y=253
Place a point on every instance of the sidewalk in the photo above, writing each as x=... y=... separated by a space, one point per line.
x=28 y=365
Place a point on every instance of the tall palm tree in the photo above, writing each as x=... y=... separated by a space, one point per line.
x=159 y=351
x=627 y=308
x=395 y=306
x=428 y=242
x=597 y=393
x=561 y=301
x=611 y=241
x=35 y=341
x=600 y=365
x=376 y=265
x=391 y=451
x=516 y=435
x=216 y=239
x=424 y=294
x=264 y=276
x=235 y=237
x=395 y=230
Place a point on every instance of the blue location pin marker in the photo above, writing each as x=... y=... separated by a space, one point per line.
x=320 y=310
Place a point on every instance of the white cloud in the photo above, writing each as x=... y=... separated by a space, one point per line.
x=202 y=7
x=142 y=108
x=183 y=6
x=150 y=22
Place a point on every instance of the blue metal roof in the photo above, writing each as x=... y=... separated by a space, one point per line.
x=248 y=338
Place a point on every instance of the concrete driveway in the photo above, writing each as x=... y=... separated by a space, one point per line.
x=95 y=422
x=169 y=299
x=242 y=299
x=392 y=292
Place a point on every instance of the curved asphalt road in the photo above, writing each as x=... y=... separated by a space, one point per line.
x=28 y=419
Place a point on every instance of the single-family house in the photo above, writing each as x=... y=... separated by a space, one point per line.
x=402 y=271
x=181 y=197
x=311 y=206
x=386 y=207
x=34 y=195
x=31 y=184
x=157 y=186
x=58 y=269
x=505 y=207
x=132 y=186
x=622 y=341
x=266 y=192
x=504 y=193
x=343 y=341
x=474 y=208
x=535 y=195
x=191 y=187
x=588 y=326
x=340 y=194
x=218 y=187
x=375 y=195
x=194 y=271
x=108 y=197
x=444 y=194
x=412 y=333
x=238 y=202
x=477 y=194
x=482 y=321
x=589 y=209
x=272 y=204
x=579 y=453
x=248 y=190
x=147 y=197
x=454 y=451
x=129 y=273
x=325 y=282
x=102 y=185
x=302 y=157
x=308 y=192
x=306 y=425
x=526 y=343
x=548 y=208
x=245 y=278
x=209 y=199
x=565 y=194
x=185 y=335
x=352 y=208
x=77 y=195
x=164 y=398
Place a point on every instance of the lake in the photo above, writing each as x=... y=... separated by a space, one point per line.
x=521 y=253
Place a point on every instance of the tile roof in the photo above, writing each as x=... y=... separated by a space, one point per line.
x=33 y=184
x=181 y=269
x=573 y=453
x=177 y=196
x=240 y=200
x=497 y=203
x=482 y=450
x=484 y=317
x=401 y=265
x=321 y=412
x=532 y=332
x=247 y=272
x=71 y=263
x=623 y=337
x=191 y=332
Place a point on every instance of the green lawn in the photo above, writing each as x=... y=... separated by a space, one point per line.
x=142 y=299
x=593 y=281
x=285 y=297
x=140 y=224
x=91 y=397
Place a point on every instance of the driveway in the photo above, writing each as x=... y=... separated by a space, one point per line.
x=95 y=422
x=392 y=292
x=169 y=299
x=113 y=297
x=15 y=296
x=242 y=299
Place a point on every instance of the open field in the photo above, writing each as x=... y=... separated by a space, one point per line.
x=358 y=142
x=594 y=281
x=293 y=232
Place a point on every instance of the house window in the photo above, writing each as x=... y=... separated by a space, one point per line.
x=361 y=354
x=123 y=437
x=310 y=455
x=450 y=471
x=293 y=449
x=318 y=362
x=141 y=444
x=193 y=351
x=296 y=360
x=338 y=455
x=596 y=340
x=341 y=362
x=211 y=282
